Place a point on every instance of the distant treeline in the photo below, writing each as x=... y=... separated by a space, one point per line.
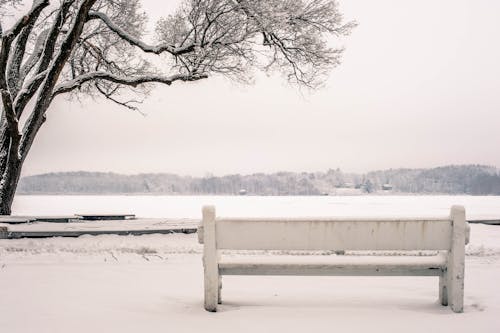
x=462 y=179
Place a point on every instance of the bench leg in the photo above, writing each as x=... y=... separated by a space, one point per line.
x=456 y=260
x=211 y=287
x=456 y=294
x=219 y=298
x=443 y=288
x=210 y=260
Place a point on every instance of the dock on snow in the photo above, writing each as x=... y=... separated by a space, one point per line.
x=486 y=221
x=75 y=226
x=10 y=219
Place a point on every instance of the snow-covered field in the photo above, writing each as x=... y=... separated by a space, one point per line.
x=190 y=206
x=154 y=283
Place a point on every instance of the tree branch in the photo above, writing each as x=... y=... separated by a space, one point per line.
x=44 y=57
x=158 y=49
x=50 y=41
x=26 y=92
x=17 y=56
x=127 y=81
x=10 y=122
x=43 y=101
x=9 y=36
x=34 y=57
x=126 y=104
x=37 y=7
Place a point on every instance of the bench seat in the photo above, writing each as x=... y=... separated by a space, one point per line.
x=334 y=265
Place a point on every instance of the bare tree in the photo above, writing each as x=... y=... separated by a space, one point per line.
x=94 y=47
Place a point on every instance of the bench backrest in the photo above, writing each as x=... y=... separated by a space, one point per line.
x=331 y=234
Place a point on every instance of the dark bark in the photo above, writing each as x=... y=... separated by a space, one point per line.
x=10 y=179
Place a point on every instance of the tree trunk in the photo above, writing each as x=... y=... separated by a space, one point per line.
x=8 y=187
x=10 y=168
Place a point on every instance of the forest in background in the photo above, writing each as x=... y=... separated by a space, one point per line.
x=453 y=179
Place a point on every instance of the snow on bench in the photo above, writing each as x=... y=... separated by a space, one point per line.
x=447 y=235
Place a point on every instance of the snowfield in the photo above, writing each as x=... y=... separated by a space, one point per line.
x=189 y=206
x=154 y=283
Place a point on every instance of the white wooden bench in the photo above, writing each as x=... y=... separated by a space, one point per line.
x=448 y=235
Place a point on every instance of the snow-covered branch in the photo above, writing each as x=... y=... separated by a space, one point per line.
x=37 y=117
x=10 y=139
x=128 y=81
x=157 y=49
x=32 y=60
x=9 y=36
x=35 y=10
x=227 y=32
x=27 y=91
x=51 y=39
x=14 y=64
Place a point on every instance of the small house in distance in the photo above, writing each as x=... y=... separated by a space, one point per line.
x=387 y=187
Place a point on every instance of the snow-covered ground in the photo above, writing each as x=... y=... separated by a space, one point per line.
x=154 y=283
x=190 y=206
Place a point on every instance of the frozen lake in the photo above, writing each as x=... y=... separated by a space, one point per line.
x=477 y=207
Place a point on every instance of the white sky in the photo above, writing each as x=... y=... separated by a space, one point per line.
x=419 y=87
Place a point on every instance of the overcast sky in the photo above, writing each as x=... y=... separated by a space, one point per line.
x=419 y=86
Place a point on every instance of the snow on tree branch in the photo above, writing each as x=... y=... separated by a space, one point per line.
x=164 y=47
x=38 y=5
x=232 y=37
x=11 y=121
x=129 y=81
